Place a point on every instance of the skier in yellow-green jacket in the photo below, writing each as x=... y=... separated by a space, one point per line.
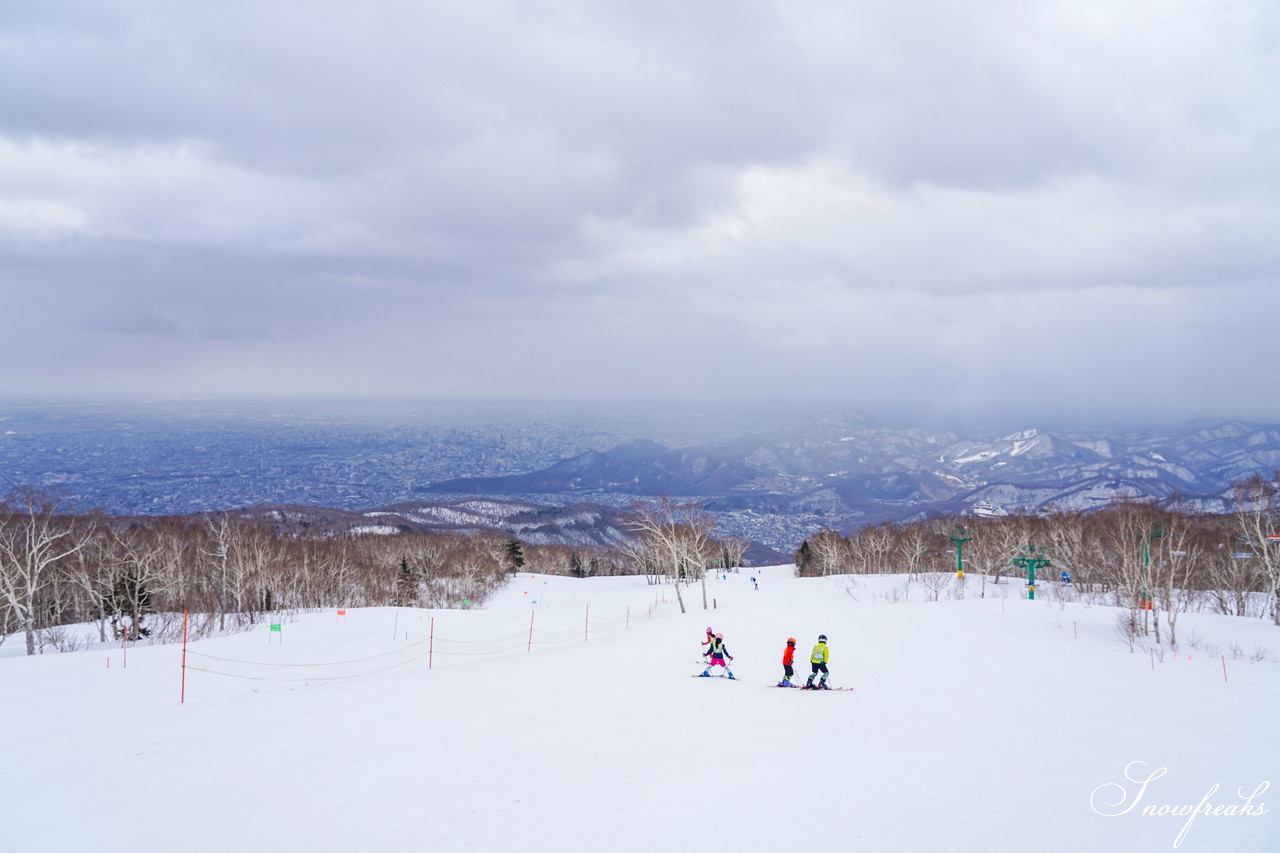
x=818 y=659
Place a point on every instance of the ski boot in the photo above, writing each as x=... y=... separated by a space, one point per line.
x=705 y=674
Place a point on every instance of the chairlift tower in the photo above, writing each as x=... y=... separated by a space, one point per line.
x=1031 y=557
x=960 y=535
x=1153 y=534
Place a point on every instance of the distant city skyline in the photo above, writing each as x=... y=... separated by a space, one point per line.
x=1029 y=212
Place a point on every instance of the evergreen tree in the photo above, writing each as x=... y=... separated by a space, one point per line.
x=129 y=599
x=515 y=553
x=803 y=555
x=406 y=586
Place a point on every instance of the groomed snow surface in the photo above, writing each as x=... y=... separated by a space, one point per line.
x=982 y=724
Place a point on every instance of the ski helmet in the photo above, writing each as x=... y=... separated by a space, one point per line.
x=822 y=638
x=708 y=629
x=719 y=636
x=791 y=641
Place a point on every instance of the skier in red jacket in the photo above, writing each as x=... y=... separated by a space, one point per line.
x=788 y=658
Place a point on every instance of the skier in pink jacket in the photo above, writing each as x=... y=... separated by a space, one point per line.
x=718 y=654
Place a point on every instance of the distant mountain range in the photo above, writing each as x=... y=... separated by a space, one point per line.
x=580 y=524
x=564 y=474
x=846 y=470
x=840 y=470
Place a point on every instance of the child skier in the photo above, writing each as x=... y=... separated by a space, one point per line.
x=819 y=657
x=788 y=658
x=710 y=637
x=718 y=653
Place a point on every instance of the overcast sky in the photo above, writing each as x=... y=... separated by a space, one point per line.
x=996 y=204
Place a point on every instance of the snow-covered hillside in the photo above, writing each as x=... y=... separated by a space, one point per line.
x=562 y=718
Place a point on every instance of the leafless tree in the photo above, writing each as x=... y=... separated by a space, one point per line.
x=874 y=545
x=676 y=538
x=1182 y=549
x=734 y=549
x=1127 y=529
x=87 y=570
x=828 y=551
x=140 y=569
x=1064 y=535
x=1257 y=512
x=33 y=538
x=222 y=530
x=913 y=548
x=935 y=581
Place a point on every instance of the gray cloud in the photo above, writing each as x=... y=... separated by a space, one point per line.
x=1004 y=204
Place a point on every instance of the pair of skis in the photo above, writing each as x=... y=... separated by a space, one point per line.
x=800 y=686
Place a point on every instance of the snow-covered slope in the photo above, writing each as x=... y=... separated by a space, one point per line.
x=981 y=724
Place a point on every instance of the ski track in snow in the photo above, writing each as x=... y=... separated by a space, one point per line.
x=974 y=725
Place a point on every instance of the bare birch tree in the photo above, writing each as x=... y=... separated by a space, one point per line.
x=676 y=537
x=1257 y=512
x=222 y=530
x=827 y=552
x=33 y=538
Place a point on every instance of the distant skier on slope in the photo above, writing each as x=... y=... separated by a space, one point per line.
x=718 y=653
x=788 y=658
x=711 y=635
x=818 y=658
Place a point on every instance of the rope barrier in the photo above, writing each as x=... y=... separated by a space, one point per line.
x=477 y=642
x=322 y=663
x=420 y=650
x=572 y=633
x=478 y=654
x=310 y=678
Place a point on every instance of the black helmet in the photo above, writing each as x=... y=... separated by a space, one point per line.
x=822 y=638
